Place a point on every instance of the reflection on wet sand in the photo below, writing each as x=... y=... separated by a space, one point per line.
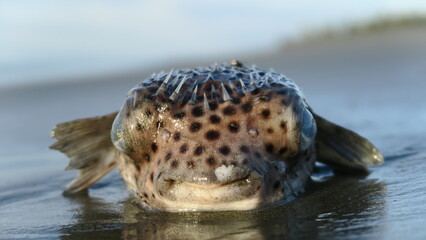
x=333 y=206
x=95 y=219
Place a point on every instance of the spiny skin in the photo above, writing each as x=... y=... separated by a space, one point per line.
x=220 y=138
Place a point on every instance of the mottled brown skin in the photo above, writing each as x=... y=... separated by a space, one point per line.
x=168 y=142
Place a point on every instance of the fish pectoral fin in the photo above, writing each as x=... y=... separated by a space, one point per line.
x=87 y=142
x=343 y=149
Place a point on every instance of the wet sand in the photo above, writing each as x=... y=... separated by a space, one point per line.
x=372 y=83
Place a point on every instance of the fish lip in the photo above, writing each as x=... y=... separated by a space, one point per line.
x=247 y=185
x=205 y=185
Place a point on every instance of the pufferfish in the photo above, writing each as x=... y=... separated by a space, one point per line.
x=225 y=137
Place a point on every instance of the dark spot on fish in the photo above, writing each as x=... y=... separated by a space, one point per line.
x=282 y=150
x=174 y=164
x=145 y=195
x=138 y=167
x=179 y=115
x=190 y=164
x=266 y=113
x=234 y=163
x=212 y=135
x=276 y=184
x=160 y=124
x=269 y=147
x=153 y=196
x=152 y=90
x=199 y=98
x=150 y=97
x=139 y=127
x=213 y=106
x=229 y=110
x=247 y=107
x=224 y=150
x=257 y=155
x=283 y=125
x=211 y=161
x=159 y=175
x=168 y=156
x=195 y=127
x=157 y=107
x=184 y=148
x=198 y=111
x=255 y=91
x=228 y=89
x=147 y=157
x=244 y=149
x=130 y=149
x=199 y=150
x=214 y=119
x=154 y=147
x=270 y=130
x=236 y=100
x=161 y=193
x=176 y=136
x=148 y=113
x=233 y=127
x=152 y=177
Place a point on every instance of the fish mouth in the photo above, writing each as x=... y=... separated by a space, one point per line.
x=241 y=193
x=203 y=185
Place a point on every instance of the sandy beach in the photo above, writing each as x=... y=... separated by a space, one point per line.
x=372 y=82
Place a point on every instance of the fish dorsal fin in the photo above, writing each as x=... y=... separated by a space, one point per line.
x=87 y=143
x=343 y=149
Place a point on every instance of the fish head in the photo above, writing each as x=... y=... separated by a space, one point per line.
x=224 y=137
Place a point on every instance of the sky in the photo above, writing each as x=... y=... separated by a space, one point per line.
x=53 y=39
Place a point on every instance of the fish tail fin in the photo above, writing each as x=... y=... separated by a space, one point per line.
x=87 y=143
x=344 y=150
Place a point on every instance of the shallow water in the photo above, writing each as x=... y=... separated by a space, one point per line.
x=375 y=89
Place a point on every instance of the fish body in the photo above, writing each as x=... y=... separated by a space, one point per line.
x=225 y=137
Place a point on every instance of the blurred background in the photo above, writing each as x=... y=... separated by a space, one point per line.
x=54 y=40
x=361 y=64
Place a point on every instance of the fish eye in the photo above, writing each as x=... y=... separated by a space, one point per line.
x=308 y=130
x=117 y=134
